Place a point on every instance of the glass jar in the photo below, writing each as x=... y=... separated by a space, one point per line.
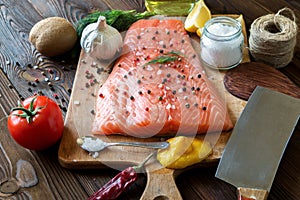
x=222 y=43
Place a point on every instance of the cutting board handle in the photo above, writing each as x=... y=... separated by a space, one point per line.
x=161 y=184
x=252 y=194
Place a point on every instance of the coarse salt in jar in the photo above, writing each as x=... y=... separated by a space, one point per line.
x=222 y=43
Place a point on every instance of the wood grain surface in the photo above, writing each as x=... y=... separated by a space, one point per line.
x=17 y=74
x=243 y=79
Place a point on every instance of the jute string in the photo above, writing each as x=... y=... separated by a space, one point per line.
x=273 y=38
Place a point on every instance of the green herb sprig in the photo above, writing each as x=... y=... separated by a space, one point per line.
x=119 y=19
x=165 y=58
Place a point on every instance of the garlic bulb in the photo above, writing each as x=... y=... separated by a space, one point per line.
x=100 y=40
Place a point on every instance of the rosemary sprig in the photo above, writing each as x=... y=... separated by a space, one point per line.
x=165 y=58
x=162 y=59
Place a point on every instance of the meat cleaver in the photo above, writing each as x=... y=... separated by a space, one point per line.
x=254 y=150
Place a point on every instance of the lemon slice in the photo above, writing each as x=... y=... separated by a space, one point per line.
x=240 y=19
x=199 y=32
x=197 y=18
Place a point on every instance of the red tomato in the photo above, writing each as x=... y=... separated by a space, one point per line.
x=37 y=123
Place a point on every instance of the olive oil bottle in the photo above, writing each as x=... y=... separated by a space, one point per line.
x=170 y=7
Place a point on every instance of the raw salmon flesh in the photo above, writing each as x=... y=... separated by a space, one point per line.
x=158 y=87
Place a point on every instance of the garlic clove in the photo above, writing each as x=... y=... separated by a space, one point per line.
x=101 y=23
x=100 y=40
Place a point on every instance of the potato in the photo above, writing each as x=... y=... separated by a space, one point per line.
x=53 y=36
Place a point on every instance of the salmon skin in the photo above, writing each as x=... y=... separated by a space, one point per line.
x=158 y=87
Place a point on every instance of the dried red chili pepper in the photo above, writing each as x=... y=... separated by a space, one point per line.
x=114 y=188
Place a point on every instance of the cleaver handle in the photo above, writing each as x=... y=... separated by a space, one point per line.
x=252 y=194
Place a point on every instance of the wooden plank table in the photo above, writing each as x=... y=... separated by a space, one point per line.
x=55 y=182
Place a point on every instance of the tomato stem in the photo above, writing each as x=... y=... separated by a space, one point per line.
x=28 y=113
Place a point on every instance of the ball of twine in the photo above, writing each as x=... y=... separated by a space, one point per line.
x=273 y=38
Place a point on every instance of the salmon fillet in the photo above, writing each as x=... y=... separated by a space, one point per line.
x=158 y=87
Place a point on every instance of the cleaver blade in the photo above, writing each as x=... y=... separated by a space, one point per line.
x=257 y=143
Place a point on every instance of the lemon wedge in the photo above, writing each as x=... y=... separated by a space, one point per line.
x=240 y=19
x=197 y=18
x=199 y=32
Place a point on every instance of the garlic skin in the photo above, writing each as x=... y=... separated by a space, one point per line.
x=100 y=40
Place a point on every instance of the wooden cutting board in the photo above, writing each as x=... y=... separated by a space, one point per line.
x=79 y=117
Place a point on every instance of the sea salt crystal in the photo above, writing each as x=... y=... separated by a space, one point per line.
x=221 y=29
x=94 y=64
x=149 y=68
x=168 y=106
x=139 y=53
x=95 y=154
x=91 y=145
x=76 y=102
